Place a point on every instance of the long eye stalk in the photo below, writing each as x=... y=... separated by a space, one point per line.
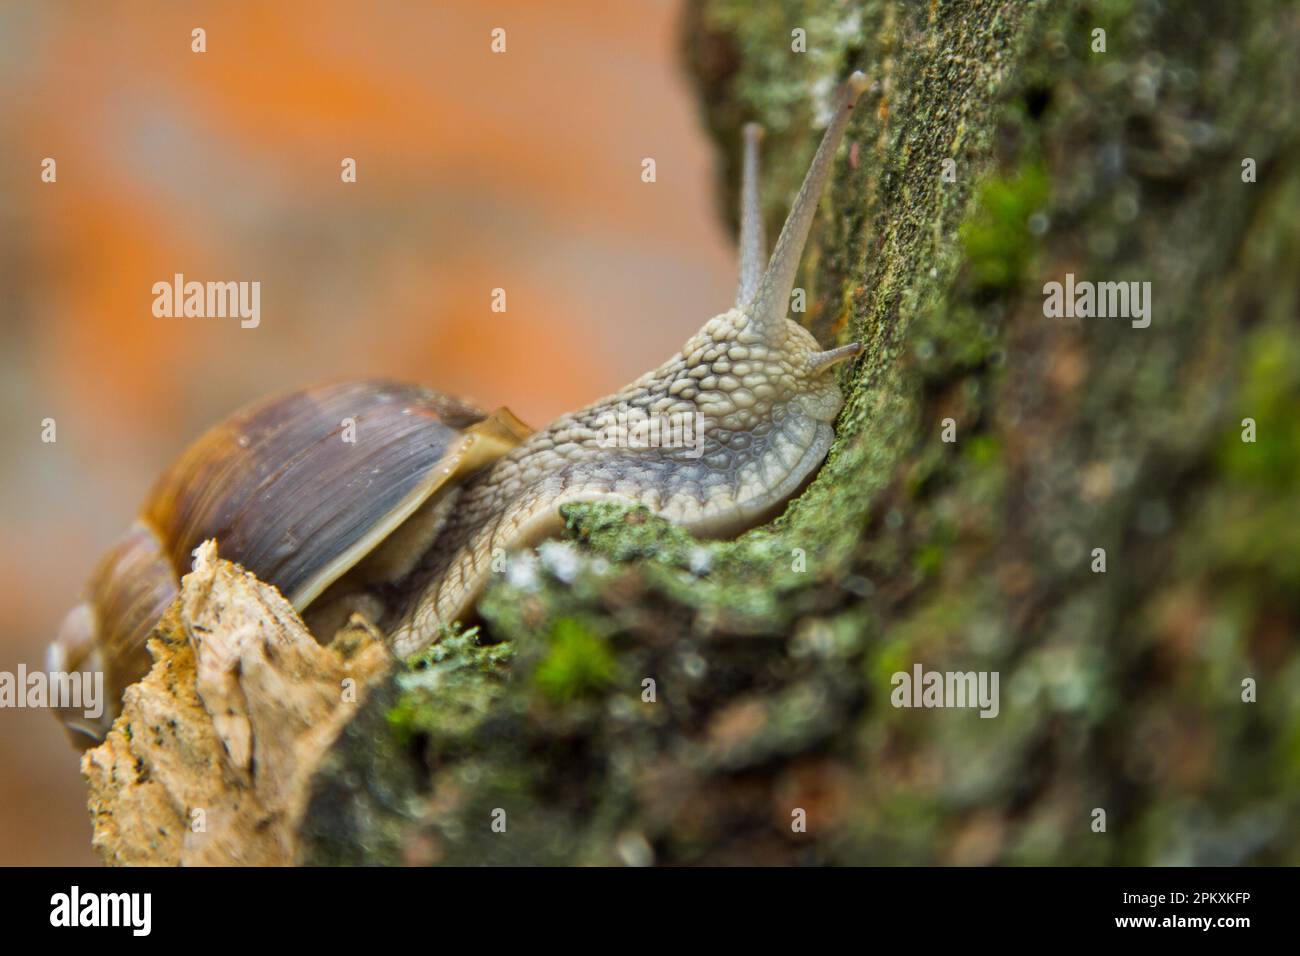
x=772 y=301
x=753 y=243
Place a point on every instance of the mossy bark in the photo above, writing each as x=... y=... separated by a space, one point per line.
x=636 y=696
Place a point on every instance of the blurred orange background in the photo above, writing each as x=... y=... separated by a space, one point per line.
x=475 y=171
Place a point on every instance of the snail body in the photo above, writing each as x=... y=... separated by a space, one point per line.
x=433 y=487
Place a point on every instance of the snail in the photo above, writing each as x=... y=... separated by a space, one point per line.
x=415 y=508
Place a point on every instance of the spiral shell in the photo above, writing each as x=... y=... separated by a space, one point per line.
x=298 y=489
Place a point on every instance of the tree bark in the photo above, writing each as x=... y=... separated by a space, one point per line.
x=635 y=696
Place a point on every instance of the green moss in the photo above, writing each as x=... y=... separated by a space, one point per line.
x=627 y=532
x=1270 y=396
x=997 y=237
x=402 y=720
x=577 y=663
x=449 y=688
x=929 y=560
x=983 y=450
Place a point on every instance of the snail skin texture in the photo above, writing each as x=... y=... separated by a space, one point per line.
x=432 y=487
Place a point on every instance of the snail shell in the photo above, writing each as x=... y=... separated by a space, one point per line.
x=288 y=497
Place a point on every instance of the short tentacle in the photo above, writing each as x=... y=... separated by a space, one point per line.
x=821 y=361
